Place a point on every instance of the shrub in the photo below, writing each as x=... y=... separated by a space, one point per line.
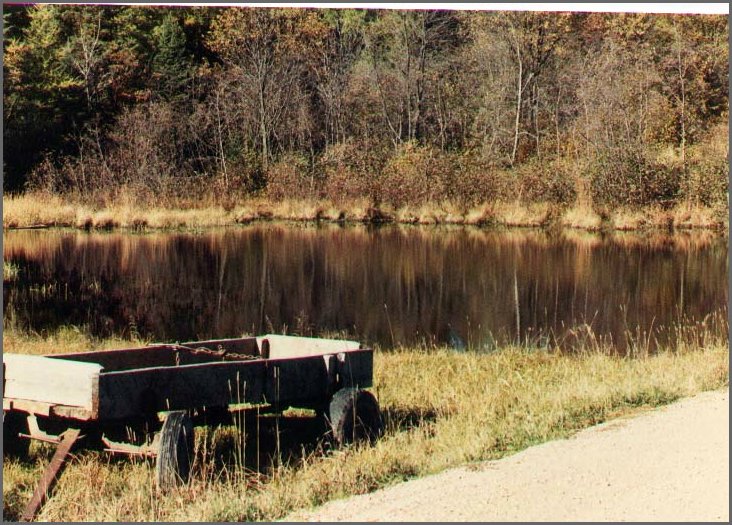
x=146 y=153
x=627 y=176
x=416 y=175
x=707 y=181
x=291 y=177
x=474 y=181
x=547 y=182
x=350 y=171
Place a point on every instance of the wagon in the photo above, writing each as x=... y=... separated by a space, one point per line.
x=146 y=400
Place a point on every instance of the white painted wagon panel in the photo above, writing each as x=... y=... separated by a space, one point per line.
x=284 y=346
x=48 y=380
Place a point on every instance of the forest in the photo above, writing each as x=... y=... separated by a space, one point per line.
x=168 y=105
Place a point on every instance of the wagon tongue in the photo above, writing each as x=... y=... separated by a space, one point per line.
x=51 y=474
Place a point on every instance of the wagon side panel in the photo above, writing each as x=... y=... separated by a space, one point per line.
x=52 y=381
x=311 y=380
x=141 y=393
x=297 y=382
x=356 y=369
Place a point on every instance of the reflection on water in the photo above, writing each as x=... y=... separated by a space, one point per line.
x=464 y=287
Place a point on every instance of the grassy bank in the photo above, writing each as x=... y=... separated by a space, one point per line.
x=442 y=409
x=43 y=210
x=10 y=271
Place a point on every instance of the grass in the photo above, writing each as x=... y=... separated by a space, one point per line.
x=64 y=340
x=42 y=210
x=441 y=408
x=10 y=271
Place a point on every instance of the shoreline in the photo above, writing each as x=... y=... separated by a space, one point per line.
x=43 y=212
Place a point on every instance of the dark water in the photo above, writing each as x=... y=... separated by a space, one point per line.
x=468 y=288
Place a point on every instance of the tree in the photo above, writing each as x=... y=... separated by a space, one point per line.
x=513 y=59
x=340 y=49
x=171 y=64
x=534 y=39
x=40 y=92
x=225 y=98
x=263 y=48
x=693 y=62
x=85 y=52
x=402 y=46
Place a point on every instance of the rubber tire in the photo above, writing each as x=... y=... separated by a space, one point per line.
x=354 y=416
x=15 y=423
x=175 y=451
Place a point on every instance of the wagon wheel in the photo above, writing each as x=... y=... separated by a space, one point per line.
x=15 y=423
x=354 y=416
x=175 y=451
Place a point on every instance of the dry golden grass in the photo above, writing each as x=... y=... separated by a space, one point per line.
x=689 y=216
x=441 y=409
x=485 y=214
x=31 y=210
x=581 y=217
x=38 y=210
x=519 y=214
x=431 y=214
x=10 y=271
x=630 y=220
x=67 y=339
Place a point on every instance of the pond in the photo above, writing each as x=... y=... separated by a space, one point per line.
x=467 y=288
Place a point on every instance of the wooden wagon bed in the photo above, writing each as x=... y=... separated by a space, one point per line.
x=161 y=389
x=136 y=382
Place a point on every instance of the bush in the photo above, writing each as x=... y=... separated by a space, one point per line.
x=627 y=176
x=415 y=175
x=291 y=177
x=146 y=153
x=707 y=181
x=707 y=171
x=50 y=176
x=474 y=181
x=351 y=171
x=547 y=182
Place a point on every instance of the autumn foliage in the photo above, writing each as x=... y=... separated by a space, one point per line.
x=401 y=108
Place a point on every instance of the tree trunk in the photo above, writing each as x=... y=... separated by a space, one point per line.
x=519 y=102
x=263 y=127
x=422 y=78
x=407 y=79
x=536 y=119
x=221 y=142
x=682 y=88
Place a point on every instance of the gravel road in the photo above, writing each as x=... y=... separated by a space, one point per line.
x=668 y=464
